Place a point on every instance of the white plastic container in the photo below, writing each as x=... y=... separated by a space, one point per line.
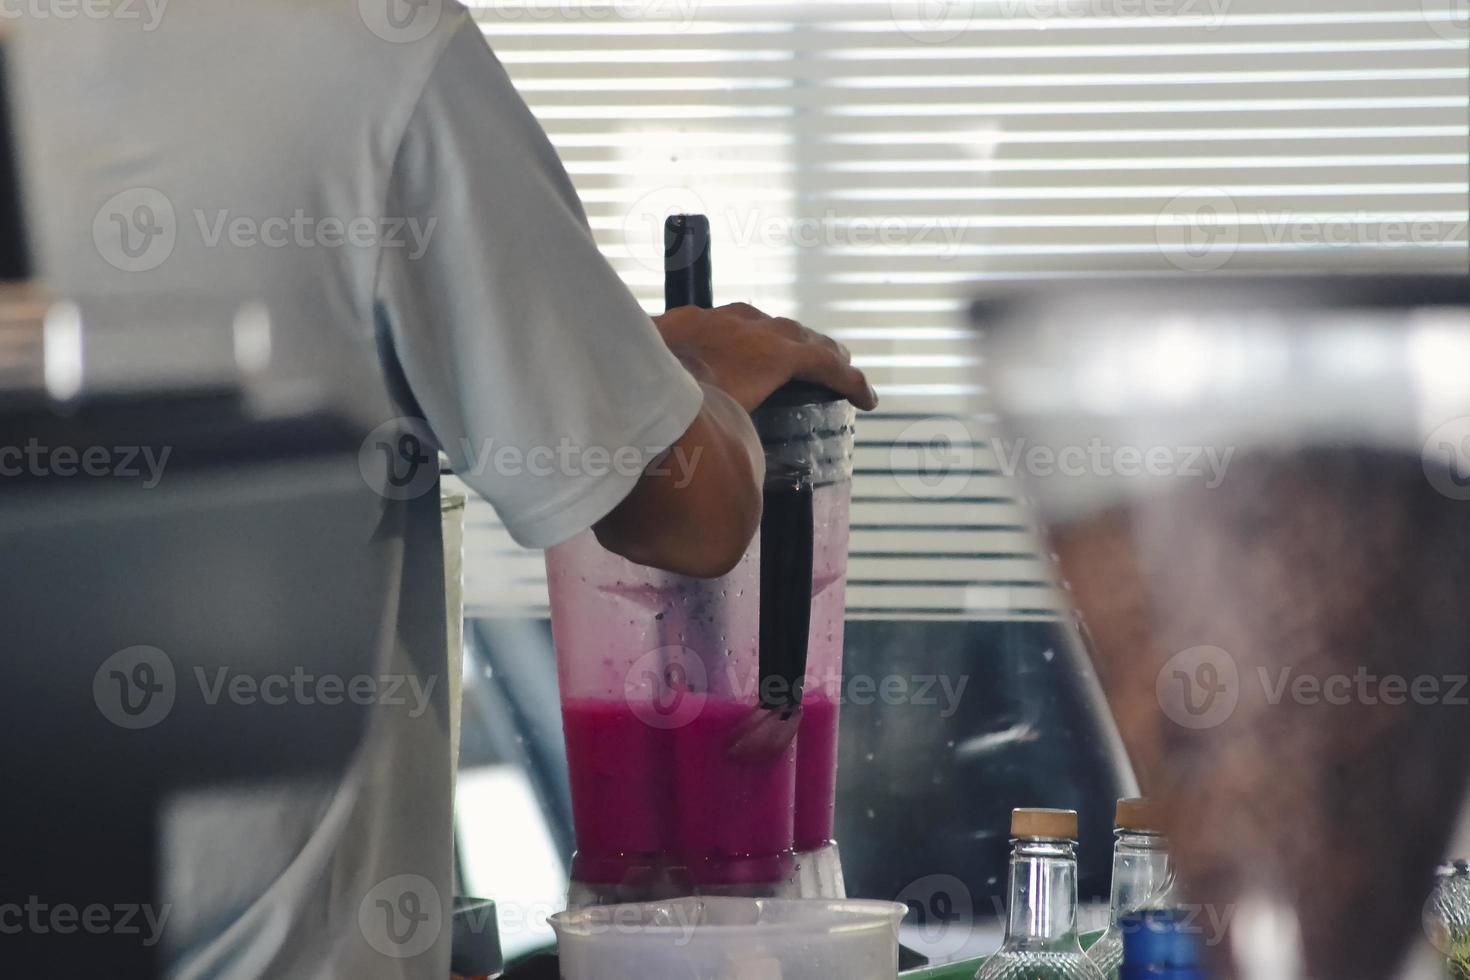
x=731 y=939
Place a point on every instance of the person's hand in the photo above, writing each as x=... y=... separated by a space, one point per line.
x=748 y=355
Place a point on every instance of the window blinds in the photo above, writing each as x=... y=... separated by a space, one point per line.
x=868 y=165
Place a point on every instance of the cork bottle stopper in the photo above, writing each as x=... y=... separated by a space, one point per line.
x=1137 y=813
x=1041 y=823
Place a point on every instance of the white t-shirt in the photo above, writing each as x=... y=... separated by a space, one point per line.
x=353 y=163
x=346 y=158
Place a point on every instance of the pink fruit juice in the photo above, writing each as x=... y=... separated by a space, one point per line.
x=816 y=771
x=621 y=780
x=643 y=794
x=731 y=810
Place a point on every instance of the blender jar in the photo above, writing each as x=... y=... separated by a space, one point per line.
x=701 y=714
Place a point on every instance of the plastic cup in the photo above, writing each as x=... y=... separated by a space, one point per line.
x=731 y=939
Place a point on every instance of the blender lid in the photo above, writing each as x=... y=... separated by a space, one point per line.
x=795 y=393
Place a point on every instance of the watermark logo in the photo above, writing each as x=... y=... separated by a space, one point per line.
x=135 y=230
x=142 y=463
x=1198 y=688
x=303 y=687
x=643 y=224
x=1446 y=458
x=1198 y=230
x=135 y=687
x=38 y=917
x=402 y=916
x=676 y=15
x=1207 y=464
x=148 y=12
x=301 y=230
x=771 y=229
x=1451 y=20
x=942 y=910
x=938 y=458
x=1211 y=13
x=399 y=459
x=667 y=688
x=1209 y=922
x=933 y=21
x=401 y=21
x=933 y=458
x=1363 y=687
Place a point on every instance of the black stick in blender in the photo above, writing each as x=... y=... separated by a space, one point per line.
x=15 y=256
x=786 y=535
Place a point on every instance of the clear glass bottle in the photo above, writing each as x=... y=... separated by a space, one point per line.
x=1041 y=922
x=1447 y=918
x=1143 y=877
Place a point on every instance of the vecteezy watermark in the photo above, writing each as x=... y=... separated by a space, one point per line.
x=402 y=916
x=1200 y=229
x=1211 y=14
x=939 y=458
x=142 y=463
x=1099 y=458
x=940 y=21
x=401 y=21
x=1450 y=19
x=751 y=228
x=301 y=230
x=1208 y=922
x=1198 y=688
x=137 y=687
x=667 y=687
x=38 y=917
x=135 y=230
x=932 y=21
x=767 y=230
x=670 y=686
x=303 y=687
x=138 y=229
x=148 y=14
x=942 y=910
x=676 y=15
x=1364 y=687
x=1446 y=458
x=400 y=459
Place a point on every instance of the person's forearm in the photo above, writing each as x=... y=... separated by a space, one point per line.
x=697 y=507
x=695 y=510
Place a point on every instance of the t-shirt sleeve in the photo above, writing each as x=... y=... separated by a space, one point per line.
x=545 y=382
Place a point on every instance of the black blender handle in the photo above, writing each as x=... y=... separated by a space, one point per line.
x=687 y=276
x=15 y=254
x=787 y=524
x=787 y=544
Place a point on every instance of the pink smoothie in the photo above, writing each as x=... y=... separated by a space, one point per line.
x=621 y=775
x=640 y=792
x=816 y=771
x=729 y=809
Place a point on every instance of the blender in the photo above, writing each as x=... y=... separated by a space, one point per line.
x=701 y=714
